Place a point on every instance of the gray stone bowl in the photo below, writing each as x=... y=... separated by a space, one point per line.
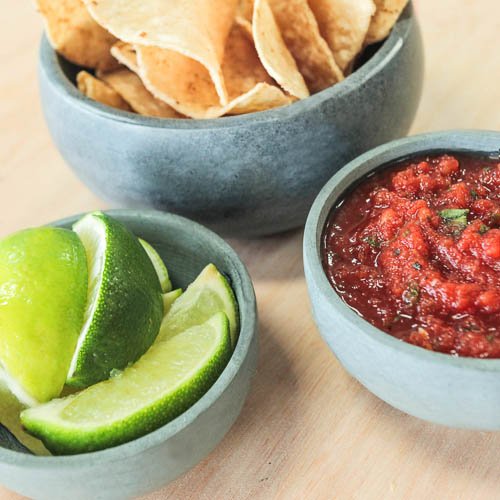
x=150 y=462
x=457 y=392
x=250 y=175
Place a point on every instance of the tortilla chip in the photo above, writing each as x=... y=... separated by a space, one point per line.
x=130 y=87
x=98 y=91
x=273 y=52
x=125 y=54
x=344 y=25
x=193 y=93
x=349 y=69
x=193 y=30
x=75 y=35
x=260 y=98
x=242 y=67
x=386 y=15
x=242 y=72
x=249 y=85
x=300 y=32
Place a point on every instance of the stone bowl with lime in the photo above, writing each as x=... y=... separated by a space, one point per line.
x=128 y=343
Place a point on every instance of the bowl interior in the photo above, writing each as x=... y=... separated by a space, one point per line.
x=477 y=143
x=186 y=248
x=70 y=71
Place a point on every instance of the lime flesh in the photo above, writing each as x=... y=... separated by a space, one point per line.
x=208 y=294
x=164 y=383
x=159 y=265
x=169 y=298
x=124 y=308
x=43 y=293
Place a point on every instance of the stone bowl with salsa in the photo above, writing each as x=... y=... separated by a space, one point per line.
x=402 y=262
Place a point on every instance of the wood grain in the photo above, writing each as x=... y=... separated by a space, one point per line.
x=308 y=430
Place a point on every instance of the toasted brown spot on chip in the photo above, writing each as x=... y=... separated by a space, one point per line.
x=99 y=91
x=273 y=52
x=344 y=25
x=302 y=37
x=386 y=15
x=75 y=35
x=132 y=90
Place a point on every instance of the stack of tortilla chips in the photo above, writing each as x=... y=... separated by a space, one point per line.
x=210 y=58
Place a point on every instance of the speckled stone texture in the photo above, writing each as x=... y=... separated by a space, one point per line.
x=243 y=176
x=152 y=461
x=457 y=392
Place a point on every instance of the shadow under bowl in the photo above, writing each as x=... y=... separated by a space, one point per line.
x=150 y=462
x=448 y=390
x=248 y=175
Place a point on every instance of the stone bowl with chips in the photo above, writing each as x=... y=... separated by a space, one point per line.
x=248 y=175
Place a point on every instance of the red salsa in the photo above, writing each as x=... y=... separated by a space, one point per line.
x=415 y=250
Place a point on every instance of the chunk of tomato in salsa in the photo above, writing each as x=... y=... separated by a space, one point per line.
x=415 y=250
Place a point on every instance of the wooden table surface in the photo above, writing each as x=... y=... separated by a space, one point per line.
x=308 y=430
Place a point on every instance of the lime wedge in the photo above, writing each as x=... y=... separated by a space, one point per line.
x=159 y=265
x=43 y=292
x=169 y=298
x=10 y=408
x=164 y=383
x=124 y=308
x=209 y=294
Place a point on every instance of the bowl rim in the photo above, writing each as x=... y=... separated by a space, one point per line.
x=452 y=141
x=248 y=330
x=49 y=64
